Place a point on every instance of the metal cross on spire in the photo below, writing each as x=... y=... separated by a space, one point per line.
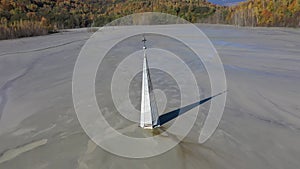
x=144 y=41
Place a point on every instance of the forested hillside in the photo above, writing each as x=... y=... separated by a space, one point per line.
x=265 y=13
x=27 y=17
x=19 y=18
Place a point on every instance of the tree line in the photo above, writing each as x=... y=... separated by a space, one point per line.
x=278 y=13
x=21 y=18
x=25 y=16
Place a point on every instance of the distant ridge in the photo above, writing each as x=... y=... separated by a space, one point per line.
x=24 y=18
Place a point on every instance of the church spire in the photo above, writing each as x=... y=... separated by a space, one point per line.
x=149 y=113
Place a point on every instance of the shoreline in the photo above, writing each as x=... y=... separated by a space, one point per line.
x=90 y=29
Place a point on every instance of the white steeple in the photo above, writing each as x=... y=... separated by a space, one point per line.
x=149 y=113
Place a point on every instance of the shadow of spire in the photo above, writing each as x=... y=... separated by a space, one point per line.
x=165 y=118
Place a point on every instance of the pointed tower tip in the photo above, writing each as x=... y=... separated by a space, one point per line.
x=144 y=41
